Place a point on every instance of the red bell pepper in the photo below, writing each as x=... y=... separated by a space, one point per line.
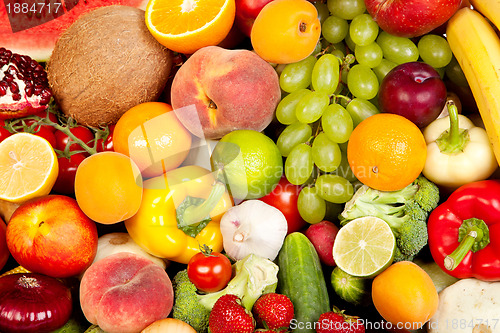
x=464 y=232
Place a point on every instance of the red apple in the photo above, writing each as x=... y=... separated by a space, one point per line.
x=322 y=235
x=411 y=18
x=246 y=12
x=4 y=250
x=51 y=235
x=413 y=90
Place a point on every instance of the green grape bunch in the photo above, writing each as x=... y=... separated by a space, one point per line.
x=327 y=94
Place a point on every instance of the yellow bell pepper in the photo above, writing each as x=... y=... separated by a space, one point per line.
x=174 y=207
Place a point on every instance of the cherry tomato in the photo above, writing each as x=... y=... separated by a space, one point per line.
x=284 y=197
x=47 y=134
x=65 y=182
x=4 y=134
x=83 y=133
x=108 y=143
x=43 y=114
x=209 y=272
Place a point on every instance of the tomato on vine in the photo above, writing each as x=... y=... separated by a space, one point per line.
x=209 y=271
x=46 y=133
x=65 y=182
x=82 y=133
x=4 y=134
x=107 y=145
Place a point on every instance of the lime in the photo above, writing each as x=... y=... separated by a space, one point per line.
x=249 y=162
x=364 y=247
x=353 y=289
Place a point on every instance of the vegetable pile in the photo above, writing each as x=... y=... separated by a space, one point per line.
x=229 y=166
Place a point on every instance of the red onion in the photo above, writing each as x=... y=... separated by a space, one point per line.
x=32 y=302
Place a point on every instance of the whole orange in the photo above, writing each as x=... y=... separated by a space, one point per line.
x=153 y=137
x=386 y=152
x=405 y=295
x=286 y=31
x=108 y=187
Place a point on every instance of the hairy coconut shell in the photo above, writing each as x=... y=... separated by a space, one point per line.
x=105 y=63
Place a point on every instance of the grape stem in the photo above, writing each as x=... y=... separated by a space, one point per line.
x=336 y=97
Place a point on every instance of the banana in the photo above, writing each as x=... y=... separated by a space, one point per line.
x=489 y=8
x=476 y=46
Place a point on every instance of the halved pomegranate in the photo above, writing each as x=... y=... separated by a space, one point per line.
x=24 y=89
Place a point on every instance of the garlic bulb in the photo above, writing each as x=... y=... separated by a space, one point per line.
x=253 y=227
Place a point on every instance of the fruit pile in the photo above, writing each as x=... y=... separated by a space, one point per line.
x=240 y=166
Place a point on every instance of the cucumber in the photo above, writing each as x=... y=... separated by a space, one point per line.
x=352 y=289
x=301 y=278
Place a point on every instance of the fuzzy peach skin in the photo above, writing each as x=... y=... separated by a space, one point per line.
x=230 y=90
x=125 y=292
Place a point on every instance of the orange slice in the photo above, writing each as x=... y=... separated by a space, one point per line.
x=28 y=167
x=185 y=26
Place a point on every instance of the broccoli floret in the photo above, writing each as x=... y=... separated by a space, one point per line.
x=186 y=305
x=412 y=237
x=398 y=256
x=406 y=211
x=427 y=195
x=253 y=276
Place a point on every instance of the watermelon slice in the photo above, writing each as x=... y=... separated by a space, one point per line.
x=31 y=27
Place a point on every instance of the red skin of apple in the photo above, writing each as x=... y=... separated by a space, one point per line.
x=246 y=12
x=51 y=235
x=322 y=235
x=411 y=18
x=4 y=250
x=413 y=90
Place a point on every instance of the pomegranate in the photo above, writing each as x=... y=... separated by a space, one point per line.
x=24 y=89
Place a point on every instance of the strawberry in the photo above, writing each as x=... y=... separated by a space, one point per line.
x=229 y=316
x=337 y=321
x=273 y=311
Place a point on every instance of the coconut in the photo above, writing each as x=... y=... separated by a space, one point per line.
x=105 y=63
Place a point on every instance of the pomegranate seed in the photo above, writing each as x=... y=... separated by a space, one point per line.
x=8 y=53
x=16 y=59
x=46 y=95
x=3 y=91
x=38 y=89
x=14 y=87
x=8 y=78
x=28 y=91
x=11 y=70
x=16 y=97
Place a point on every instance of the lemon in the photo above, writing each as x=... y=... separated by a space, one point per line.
x=28 y=165
x=248 y=162
x=364 y=247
